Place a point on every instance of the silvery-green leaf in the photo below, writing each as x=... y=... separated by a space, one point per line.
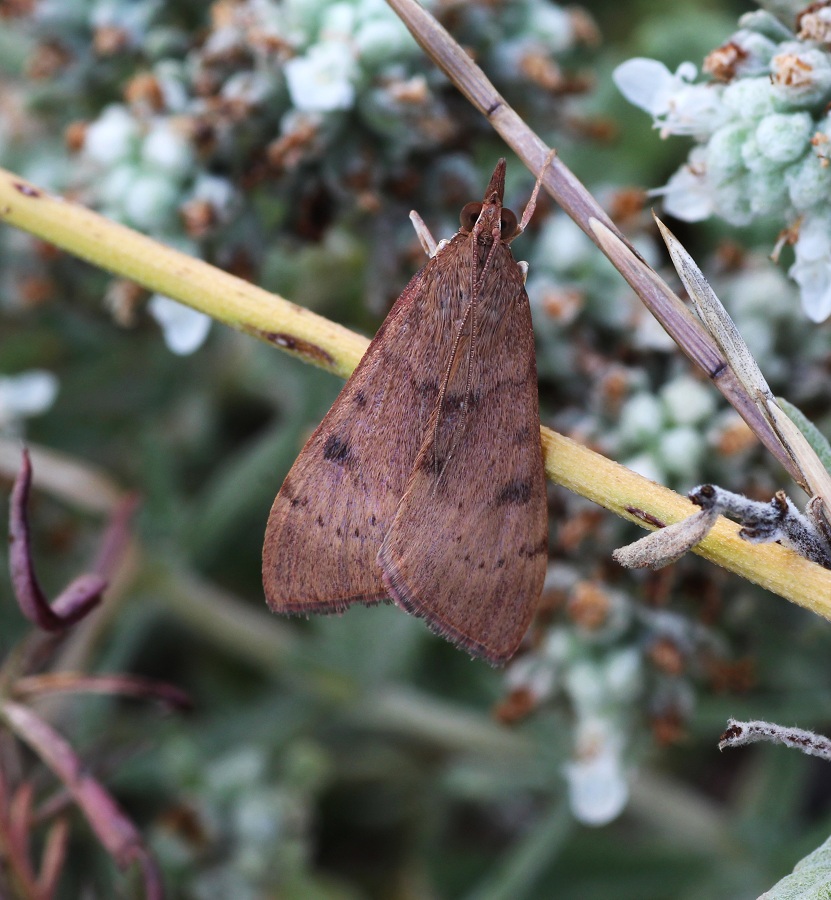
x=810 y=879
x=817 y=440
x=817 y=479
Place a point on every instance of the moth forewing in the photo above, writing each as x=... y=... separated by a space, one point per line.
x=467 y=550
x=339 y=498
x=431 y=453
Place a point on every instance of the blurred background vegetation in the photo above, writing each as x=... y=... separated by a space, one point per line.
x=360 y=756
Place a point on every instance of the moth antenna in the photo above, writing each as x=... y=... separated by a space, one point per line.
x=532 y=203
x=428 y=242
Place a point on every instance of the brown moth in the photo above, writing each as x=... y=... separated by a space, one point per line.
x=424 y=483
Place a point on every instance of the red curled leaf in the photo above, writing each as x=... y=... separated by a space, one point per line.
x=78 y=598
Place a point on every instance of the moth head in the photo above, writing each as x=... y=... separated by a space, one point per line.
x=507 y=220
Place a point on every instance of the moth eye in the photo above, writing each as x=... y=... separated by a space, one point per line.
x=507 y=224
x=469 y=215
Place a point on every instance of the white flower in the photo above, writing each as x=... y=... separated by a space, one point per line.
x=250 y=88
x=115 y=184
x=649 y=84
x=383 y=38
x=812 y=269
x=561 y=245
x=27 y=394
x=132 y=19
x=676 y=105
x=167 y=150
x=597 y=786
x=641 y=419
x=585 y=686
x=624 y=674
x=184 y=329
x=533 y=673
x=150 y=201
x=322 y=80
x=688 y=401
x=112 y=137
x=680 y=450
x=688 y=195
x=218 y=191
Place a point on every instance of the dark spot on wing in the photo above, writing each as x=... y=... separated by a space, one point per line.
x=336 y=449
x=372 y=520
x=287 y=491
x=522 y=436
x=427 y=388
x=500 y=562
x=360 y=399
x=320 y=521
x=515 y=491
x=529 y=552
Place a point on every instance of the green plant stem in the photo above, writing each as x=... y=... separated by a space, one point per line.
x=159 y=268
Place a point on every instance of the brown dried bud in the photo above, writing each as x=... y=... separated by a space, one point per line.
x=144 y=90
x=108 y=40
x=667 y=657
x=814 y=23
x=198 y=217
x=562 y=304
x=668 y=728
x=791 y=71
x=75 y=135
x=48 y=60
x=589 y=605
x=518 y=705
x=735 y=437
x=724 y=61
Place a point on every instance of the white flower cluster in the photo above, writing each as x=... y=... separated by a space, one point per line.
x=601 y=690
x=763 y=135
x=22 y=396
x=263 y=87
x=662 y=436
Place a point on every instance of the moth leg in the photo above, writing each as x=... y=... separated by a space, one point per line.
x=523 y=267
x=532 y=203
x=428 y=242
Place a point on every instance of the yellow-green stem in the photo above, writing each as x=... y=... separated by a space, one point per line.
x=250 y=309
x=222 y=296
